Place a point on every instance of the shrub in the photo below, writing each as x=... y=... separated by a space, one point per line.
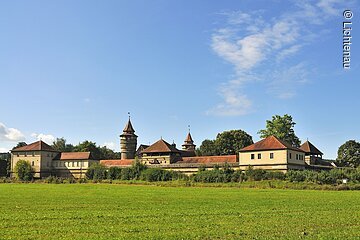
x=137 y=168
x=126 y=174
x=114 y=173
x=255 y=174
x=24 y=171
x=295 y=176
x=96 y=172
x=272 y=175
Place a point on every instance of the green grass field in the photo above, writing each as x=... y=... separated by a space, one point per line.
x=105 y=211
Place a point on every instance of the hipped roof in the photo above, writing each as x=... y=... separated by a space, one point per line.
x=36 y=146
x=269 y=143
x=308 y=147
x=161 y=146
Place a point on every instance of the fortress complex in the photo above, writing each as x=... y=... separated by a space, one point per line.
x=270 y=153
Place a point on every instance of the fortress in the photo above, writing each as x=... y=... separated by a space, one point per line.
x=270 y=153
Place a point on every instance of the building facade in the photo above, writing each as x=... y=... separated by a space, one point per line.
x=272 y=154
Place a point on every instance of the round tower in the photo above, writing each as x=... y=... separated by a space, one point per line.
x=128 y=142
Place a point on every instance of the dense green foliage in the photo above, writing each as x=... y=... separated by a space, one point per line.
x=226 y=143
x=281 y=127
x=60 y=145
x=349 y=154
x=86 y=146
x=24 y=171
x=137 y=171
x=98 y=211
x=226 y=174
x=96 y=172
x=20 y=144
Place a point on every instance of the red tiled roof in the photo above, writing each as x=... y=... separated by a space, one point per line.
x=269 y=143
x=75 y=156
x=210 y=159
x=36 y=146
x=308 y=147
x=117 y=162
x=160 y=146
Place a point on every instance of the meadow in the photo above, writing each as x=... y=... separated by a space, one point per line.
x=117 y=211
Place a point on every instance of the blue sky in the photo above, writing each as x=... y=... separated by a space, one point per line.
x=74 y=69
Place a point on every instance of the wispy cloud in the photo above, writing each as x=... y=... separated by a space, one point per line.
x=10 y=134
x=261 y=42
x=48 y=138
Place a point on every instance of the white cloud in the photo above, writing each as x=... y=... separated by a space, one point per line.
x=48 y=138
x=110 y=145
x=10 y=134
x=2 y=150
x=247 y=41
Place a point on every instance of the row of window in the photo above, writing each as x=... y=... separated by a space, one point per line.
x=68 y=164
x=32 y=154
x=271 y=156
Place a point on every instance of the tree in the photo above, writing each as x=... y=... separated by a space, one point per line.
x=349 y=154
x=20 y=144
x=24 y=171
x=230 y=142
x=88 y=146
x=281 y=127
x=208 y=148
x=106 y=153
x=60 y=145
x=226 y=143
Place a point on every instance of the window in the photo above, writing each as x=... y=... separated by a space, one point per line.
x=252 y=156
x=25 y=154
x=271 y=155
x=290 y=155
x=297 y=156
x=17 y=154
x=33 y=154
x=259 y=155
x=32 y=163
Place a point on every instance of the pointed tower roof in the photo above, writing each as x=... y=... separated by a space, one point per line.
x=128 y=127
x=188 y=138
x=308 y=147
x=36 y=146
x=269 y=143
x=161 y=146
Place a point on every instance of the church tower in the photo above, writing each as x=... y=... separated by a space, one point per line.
x=128 y=142
x=188 y=143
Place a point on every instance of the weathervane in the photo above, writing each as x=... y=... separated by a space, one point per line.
x=129 y=115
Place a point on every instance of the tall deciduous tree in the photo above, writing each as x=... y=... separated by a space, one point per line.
x=88 y=146
x=60 y=145
x=19 y=144
x=230 y=142
x=349 y=154
x=208 y=148
x=226 y=143
x=281 y=127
